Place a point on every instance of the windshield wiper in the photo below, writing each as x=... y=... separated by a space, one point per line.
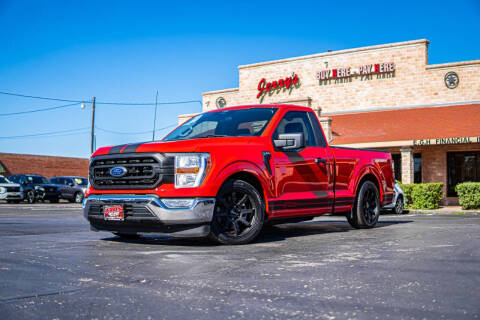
x=213 y=136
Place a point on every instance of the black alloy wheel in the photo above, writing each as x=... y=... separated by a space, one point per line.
x=238 y=215
x=30 y=196
x=78 y=197
x=399 y=205
x=366 y=210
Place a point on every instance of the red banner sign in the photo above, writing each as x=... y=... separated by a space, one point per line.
x=359 y=71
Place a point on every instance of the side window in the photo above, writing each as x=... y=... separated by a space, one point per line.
x=53 y=180
x=69 y=181
x=297 y=122
x=321 y=141
x=14 y=179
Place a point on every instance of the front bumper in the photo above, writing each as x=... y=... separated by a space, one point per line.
x=11 y=196
x=148 y=214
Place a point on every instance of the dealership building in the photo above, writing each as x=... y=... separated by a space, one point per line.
x=384 y=97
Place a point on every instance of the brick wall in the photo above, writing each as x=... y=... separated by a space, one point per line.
x=47 y=166
x=414 y=82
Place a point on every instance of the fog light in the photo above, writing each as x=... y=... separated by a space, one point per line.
x=178 y=203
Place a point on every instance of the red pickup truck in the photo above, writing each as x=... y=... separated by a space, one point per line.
x=226 y=173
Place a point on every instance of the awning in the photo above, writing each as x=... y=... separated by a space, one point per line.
x=410 y=126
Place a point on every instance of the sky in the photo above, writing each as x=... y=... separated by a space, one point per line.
x=124 y=51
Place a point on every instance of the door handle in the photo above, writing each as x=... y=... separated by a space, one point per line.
x=320 y=160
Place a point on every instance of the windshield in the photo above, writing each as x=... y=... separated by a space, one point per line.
x=81 y=181
x=37 y=179
x=4 y=180
x=228 y=123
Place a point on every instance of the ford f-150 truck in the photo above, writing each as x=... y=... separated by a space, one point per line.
x=226 y=173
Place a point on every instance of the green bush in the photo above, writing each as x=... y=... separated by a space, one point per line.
x=468 y=195
x=407 y=193
x=423 y=195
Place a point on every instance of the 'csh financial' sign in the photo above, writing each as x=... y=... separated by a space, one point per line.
x=437 y=141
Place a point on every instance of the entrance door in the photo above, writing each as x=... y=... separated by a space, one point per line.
x=303 y=179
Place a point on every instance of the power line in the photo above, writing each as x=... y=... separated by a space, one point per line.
x=39 y=110
x=37 y=97
x=76 y=131
x=137 y=132
x=100 y=102
x=149 y=103
x=44 y=133
x=53 y=135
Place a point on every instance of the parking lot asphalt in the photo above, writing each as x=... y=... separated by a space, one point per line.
x=409 y=267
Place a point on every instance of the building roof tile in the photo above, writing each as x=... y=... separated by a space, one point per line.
x=406 y=124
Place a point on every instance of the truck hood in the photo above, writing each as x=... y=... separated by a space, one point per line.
x=193 y=145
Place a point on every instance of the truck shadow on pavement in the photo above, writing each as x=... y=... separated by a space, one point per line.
x=274 y=233
x=304 y=229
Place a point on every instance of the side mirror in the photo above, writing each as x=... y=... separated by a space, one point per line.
x=71 y=184
x=289 y=141
x=24 y=183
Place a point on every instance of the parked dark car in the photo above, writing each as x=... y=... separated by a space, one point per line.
x=36 y=187
x=71 y=188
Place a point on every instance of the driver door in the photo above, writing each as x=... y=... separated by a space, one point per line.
x=303 y=179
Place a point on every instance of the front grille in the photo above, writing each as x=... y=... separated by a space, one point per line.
x=13 y=189
x=143 y=171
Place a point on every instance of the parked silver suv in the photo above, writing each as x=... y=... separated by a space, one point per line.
x=398 y=202
x=12 y=192
x=71 y=188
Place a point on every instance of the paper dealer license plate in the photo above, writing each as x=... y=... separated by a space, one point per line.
x=113 y=212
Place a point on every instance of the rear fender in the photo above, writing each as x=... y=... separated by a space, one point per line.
x=367 y=169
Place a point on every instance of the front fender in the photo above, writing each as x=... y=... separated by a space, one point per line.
x=236 y=167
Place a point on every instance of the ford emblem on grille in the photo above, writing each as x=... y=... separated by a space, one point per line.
x=118 y=172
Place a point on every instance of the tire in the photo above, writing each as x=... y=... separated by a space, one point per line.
x=399 y=205
x=366 y=209
x=238 y=215
x=78 y=197
x=30 y=196
x=127 y=236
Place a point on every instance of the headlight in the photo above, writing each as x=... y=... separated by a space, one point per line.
x=3 y=190
x=191 y=169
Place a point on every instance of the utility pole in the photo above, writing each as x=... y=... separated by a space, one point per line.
x=93 y=125
x=155 y=117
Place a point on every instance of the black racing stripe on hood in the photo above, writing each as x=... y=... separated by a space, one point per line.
x=132 y=147
x=116 y=149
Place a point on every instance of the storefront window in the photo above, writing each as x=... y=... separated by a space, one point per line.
x=417 y=168
x=397 y=166
x=462 y=167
